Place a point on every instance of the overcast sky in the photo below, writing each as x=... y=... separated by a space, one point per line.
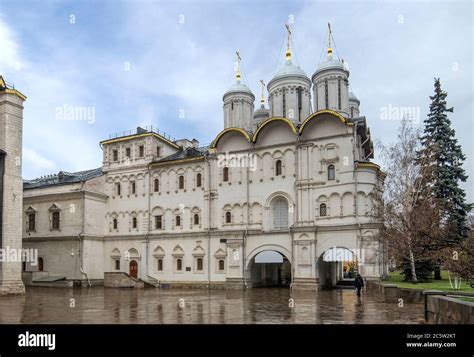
x=167 y=64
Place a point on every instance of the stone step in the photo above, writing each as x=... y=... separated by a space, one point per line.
x=49 y=279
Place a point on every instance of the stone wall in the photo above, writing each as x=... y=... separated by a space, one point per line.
x=448 y=310
x=391 y=293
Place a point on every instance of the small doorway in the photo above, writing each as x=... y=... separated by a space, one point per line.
x=40 y=264
x=134 y=269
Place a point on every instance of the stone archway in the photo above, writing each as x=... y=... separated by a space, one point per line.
x=269 y=266
x=337 y=266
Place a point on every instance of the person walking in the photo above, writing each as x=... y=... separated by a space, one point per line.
x=359 y=283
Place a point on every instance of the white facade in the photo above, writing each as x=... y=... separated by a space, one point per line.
x=181 y=215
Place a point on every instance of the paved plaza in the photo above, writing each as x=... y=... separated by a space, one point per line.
x=201 y=306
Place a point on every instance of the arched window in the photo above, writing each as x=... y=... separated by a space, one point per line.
x=117 y=189
x=31 y=222
x=198 y=180
x=133 y=187
x=196 y=219
x=115 y=223
x=160 y=264
x=323 y=211
x=278 y=168
x=181 y=182
x=331 y=172
x=159 y=222
x=179 y=264
x=55 y=224
x=134 y=222
x=156 y=185
x=199 y=264
x=178 y=221
x=117 y=264
x=40 y=264
x=225 y=174
x=221 y=264
x=280 y=213
x=228 y=217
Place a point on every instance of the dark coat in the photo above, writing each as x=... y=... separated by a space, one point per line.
x=359 y=282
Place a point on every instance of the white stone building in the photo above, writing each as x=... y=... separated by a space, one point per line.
x=294 y=179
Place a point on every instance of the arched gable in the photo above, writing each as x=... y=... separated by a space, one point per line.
x=281 y=125
x=237 y=139
x=334 y=122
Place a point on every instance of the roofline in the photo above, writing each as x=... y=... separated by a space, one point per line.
x=54 y=184
x=15 y=92
x=324 y=111
x=368 y=165
x=133 y=136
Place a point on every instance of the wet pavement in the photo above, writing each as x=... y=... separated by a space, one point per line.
x=176 y=306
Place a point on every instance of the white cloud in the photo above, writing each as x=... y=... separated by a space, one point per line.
x=10 y=58
x=37 y=162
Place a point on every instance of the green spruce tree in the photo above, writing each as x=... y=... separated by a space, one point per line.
x=442 y=158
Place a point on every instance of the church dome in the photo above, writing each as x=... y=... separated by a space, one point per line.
x=237 y=88
x=353 y=98
x=289 y=70
x=261 y=112
x=330 y=64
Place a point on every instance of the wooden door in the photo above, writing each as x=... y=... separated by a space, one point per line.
x=134 y=269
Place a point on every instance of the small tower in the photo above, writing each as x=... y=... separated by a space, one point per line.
x=238 y=104
x=11 y=185
x=289 y=90
x=331 y=84
x=354 y=104
x=261 y=113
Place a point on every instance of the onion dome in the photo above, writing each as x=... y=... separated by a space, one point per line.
x=353 y=98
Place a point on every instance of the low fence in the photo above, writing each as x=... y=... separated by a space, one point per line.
x=448 y=310
x=439 y=307
x=392 y=293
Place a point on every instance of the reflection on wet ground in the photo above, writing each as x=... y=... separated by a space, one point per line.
x=171 y=306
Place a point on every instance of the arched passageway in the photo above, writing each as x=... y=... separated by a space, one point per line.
x=270 y=268
x=337 y=267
